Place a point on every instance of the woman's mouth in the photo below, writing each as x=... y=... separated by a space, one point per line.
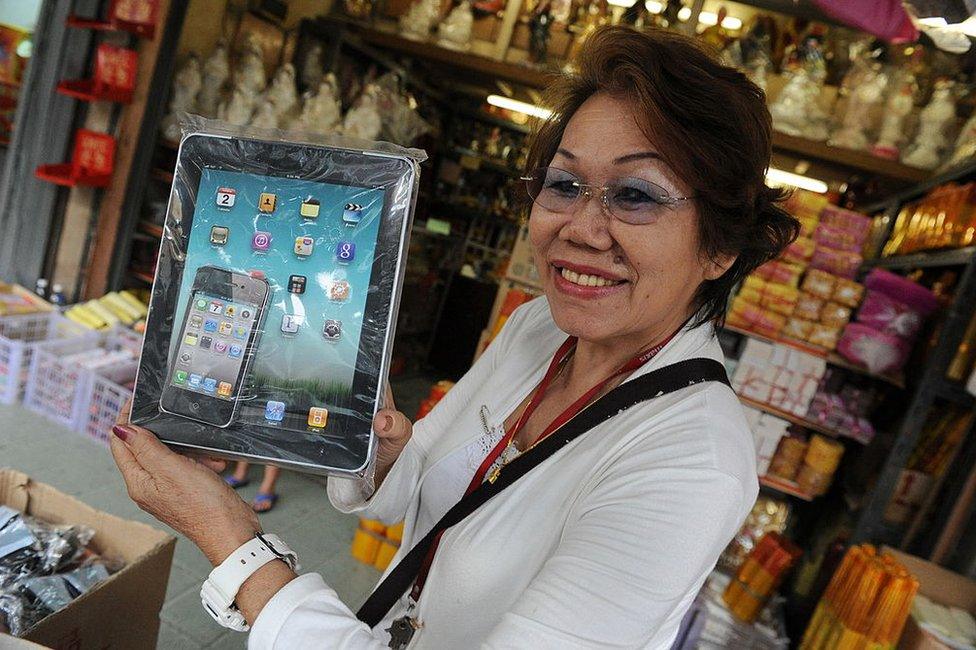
x=584 y=282
x=587 y=280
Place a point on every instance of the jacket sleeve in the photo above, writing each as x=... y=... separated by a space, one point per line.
x=390 y=501
x=629 y=562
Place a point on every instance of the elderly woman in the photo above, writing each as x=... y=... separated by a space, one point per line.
x=649 y=205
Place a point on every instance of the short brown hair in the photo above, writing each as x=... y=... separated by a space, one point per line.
x=714 y=130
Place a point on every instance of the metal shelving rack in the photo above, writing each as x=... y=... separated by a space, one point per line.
x=931 y=386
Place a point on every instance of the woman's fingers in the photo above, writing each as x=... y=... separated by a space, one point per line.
x=392 y=425
x=125 y=413
x=211 y=463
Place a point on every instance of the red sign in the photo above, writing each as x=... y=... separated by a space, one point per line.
x=138 y=16
x=91 y=163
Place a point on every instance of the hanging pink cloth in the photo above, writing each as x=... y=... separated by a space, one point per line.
x=886 y=19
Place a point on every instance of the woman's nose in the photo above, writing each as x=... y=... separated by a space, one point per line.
x=589 y=222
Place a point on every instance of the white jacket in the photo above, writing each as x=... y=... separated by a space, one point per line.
x=604 y=545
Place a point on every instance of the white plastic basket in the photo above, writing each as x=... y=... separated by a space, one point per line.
x=60 y=388
x=20 y=334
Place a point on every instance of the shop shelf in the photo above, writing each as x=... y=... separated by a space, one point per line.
x=795 y=419
x=487 y=161
x=832 y=358
x=19 y=337
x=87 y=90
x=860 y=160
x=956 y=393
x=151 y=228
x=161 y=175
x=148 y=278
x=785 y=487
x=952 y=257
x=959 y=172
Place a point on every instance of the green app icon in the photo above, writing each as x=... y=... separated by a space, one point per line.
x=201 y=304
x=180 y=376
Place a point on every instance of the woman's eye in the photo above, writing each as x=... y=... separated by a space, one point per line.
x=562 y=187
x=633 y=198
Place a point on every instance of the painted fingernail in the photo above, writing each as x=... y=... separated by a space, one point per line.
x=121 y=432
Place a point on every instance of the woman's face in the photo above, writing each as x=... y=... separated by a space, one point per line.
x=645 y=275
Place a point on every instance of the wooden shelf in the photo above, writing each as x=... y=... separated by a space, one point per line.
x=142 y=275
x=956 y=393
x=487 y=161
x=953 y=257
x=161 y=175
x=521 y=74
x=151 y=228
x=784 y=486
x=959 y=172
x=834 y=359
x=169 y=144
x=794 y=419
x=860 y=160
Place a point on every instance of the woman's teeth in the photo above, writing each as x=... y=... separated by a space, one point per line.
x=587 y=280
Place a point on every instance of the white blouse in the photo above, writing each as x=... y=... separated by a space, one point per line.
x=603 y=545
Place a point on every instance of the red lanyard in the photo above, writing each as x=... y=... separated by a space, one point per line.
x=562 y=354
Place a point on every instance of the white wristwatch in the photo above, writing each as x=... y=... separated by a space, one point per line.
x=220 y=589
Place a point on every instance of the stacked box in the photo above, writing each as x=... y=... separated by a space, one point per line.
x=778 y=375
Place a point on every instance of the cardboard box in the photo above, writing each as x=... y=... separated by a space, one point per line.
x=521 y=266
x=123 y=611
x=939 y=585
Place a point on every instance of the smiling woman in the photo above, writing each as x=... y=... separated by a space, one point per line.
x=576 y=487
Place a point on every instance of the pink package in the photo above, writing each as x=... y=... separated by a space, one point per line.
x=855 y=223
x=912 y=294
x=888 y=315
x=837 y=238
x=842 y=263
x=876 y=351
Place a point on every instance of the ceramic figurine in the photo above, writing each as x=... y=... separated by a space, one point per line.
x=249 y=73
x=965 y=147
x=237 y=109
x=265 y=116
x=797 y=110
x=312 y=71
x=455 y=31
x=321 y=110
x=934 y=122
x=282 y=92
x=363 y=121
x=186 y=86
x=539 y=26
x=865 y=85
x=898 y=108
x=216 y=71
x=419 y=19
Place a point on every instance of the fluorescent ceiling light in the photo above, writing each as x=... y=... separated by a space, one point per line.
x=521 y=107
x=933 y=21
x=778 y=177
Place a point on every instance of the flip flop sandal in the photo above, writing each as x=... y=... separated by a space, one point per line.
x=264 y=502
x=235 y=482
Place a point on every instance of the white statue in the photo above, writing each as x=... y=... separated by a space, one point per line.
x=363 y=121
x=282 y=92
x=965 y=143
x=321 y=110
x=797 y=110
x=934 y=121
x=455 y=31
x=866 y=85
x=249 y=73
x=186 y=86
x=237 y=109
x=419 y=19
x=898 y=108
x=312 y=71
x=266 y=115
x=216 y=71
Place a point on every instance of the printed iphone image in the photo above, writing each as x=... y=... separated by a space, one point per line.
x=219 y=331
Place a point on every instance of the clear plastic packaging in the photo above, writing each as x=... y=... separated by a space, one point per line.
x=272 y=314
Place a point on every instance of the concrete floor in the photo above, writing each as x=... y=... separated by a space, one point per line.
x=303 y=517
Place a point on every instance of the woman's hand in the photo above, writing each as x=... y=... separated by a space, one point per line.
x=393 y=429
x=182 y=492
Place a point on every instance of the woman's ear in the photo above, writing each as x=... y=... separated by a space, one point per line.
x=715 y=267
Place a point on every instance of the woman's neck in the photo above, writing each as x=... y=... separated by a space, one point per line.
x=592 y=361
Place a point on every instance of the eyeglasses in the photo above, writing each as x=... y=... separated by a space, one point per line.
x=631 y=200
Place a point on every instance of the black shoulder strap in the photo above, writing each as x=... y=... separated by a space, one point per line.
x=654 y=384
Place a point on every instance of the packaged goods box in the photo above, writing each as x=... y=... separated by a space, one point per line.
x=122 y=611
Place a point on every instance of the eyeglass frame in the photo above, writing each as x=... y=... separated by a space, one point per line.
x=586 y=189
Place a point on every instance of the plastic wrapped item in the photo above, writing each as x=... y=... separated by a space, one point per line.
x=824 y=336
x=768 y=514
x=889 y=316
x=834 y=315
x=855 y=223
x=747 y=315
x=838 y=262
x=913 y=295
x=876 y=351
x=847 y=292
x=273 y=311
x=780 y=298
x=778 y=272
x=837 y=238
x=808 y=306
x=819 y=283
x=800 y=251
x=788 y=457
x=798 y=328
